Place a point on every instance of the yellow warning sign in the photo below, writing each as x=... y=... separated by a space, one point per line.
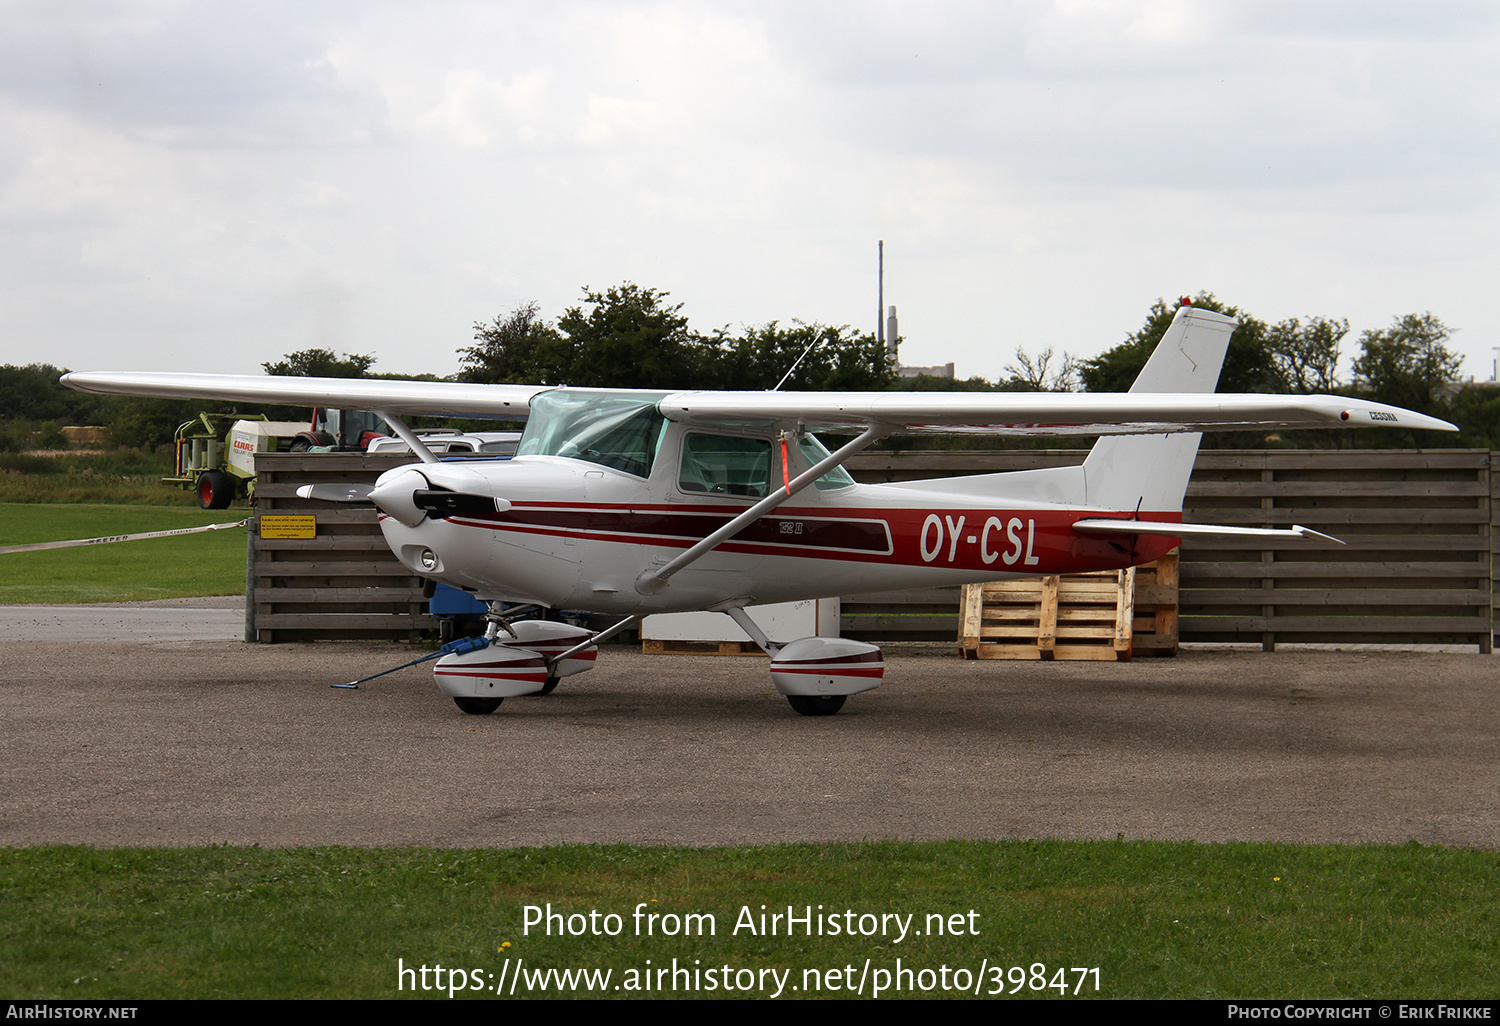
x=288 y=526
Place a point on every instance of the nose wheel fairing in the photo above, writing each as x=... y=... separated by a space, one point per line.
x=523 y=665
x=498 y=671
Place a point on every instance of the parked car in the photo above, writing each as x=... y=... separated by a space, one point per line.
x=444 y=442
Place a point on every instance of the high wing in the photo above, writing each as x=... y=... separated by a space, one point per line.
x=1041 y=413
x=1009 y=413
x=426 y=398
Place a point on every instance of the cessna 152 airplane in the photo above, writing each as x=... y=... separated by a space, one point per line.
x=635 y=502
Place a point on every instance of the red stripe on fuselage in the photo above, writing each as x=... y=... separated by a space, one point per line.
x=1037 y=541
x=689 y=524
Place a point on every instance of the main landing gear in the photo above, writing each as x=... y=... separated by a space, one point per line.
x=817 y=674
x=816 y=705
x=477 y=706
x=531 y=656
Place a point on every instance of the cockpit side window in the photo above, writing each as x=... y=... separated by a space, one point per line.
x=725 y=465
x=612 y=430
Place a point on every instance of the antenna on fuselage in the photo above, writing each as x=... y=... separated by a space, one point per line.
x=794 y=366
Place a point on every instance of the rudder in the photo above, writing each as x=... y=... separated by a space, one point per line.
x=1150 y=472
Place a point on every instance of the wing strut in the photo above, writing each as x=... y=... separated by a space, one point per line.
x=406 y=435
x=750 y=627
x=651 y=582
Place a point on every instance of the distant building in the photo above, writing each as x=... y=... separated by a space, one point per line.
x=942 y=370
x=892 y=338
x=1449 y=389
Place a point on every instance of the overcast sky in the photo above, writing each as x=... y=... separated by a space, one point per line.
x=206 y=186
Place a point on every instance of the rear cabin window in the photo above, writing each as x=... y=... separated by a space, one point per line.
x=725 y=465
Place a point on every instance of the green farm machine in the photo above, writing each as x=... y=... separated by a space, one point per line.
x=215 y=454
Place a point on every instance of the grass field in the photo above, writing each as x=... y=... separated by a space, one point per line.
x=116 y=476
x=212 y=563
x=1155 y=919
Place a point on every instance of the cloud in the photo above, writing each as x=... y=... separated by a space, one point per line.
x=386 y=174
x=185 y=74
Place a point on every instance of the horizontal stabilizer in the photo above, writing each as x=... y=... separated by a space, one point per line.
x=1296 y=533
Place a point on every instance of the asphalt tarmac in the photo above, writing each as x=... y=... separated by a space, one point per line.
x=171 y=742
x=196 y=619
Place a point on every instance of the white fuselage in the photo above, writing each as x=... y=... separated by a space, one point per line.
x=579 y=534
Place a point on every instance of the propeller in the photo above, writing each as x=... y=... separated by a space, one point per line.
x=408 y=497
x=439 y=504
x=337 y=492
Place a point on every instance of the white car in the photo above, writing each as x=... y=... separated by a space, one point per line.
x=455 y=443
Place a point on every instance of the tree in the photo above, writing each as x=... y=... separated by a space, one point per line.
x=1035 y=374
x=1476 y=411
x=627 y=337
x=1115 y=370
x=34 y=393
x=35 y=403
x=838 y=359
x=519 y=348
x=933 y=383
x=633 y=337
x=321 y=363
x=147 y=423
x=1407 y=363
x=1306 y=356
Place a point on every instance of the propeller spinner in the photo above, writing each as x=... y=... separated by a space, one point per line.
x=407 y=495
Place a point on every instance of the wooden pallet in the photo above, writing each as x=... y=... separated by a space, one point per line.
x=656 y=646
x=1154 y=630
x=1073 y=616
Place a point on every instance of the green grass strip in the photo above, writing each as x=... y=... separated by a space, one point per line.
x=1156 y=919
x=201 y=564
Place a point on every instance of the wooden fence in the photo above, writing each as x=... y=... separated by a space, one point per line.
x=1416 y=566
x=344 y=583
x=1419 y=567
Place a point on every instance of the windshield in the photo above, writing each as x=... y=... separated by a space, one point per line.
x=812 y=452
x=607 y=428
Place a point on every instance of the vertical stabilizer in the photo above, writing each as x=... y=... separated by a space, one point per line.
x=1150 y=472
